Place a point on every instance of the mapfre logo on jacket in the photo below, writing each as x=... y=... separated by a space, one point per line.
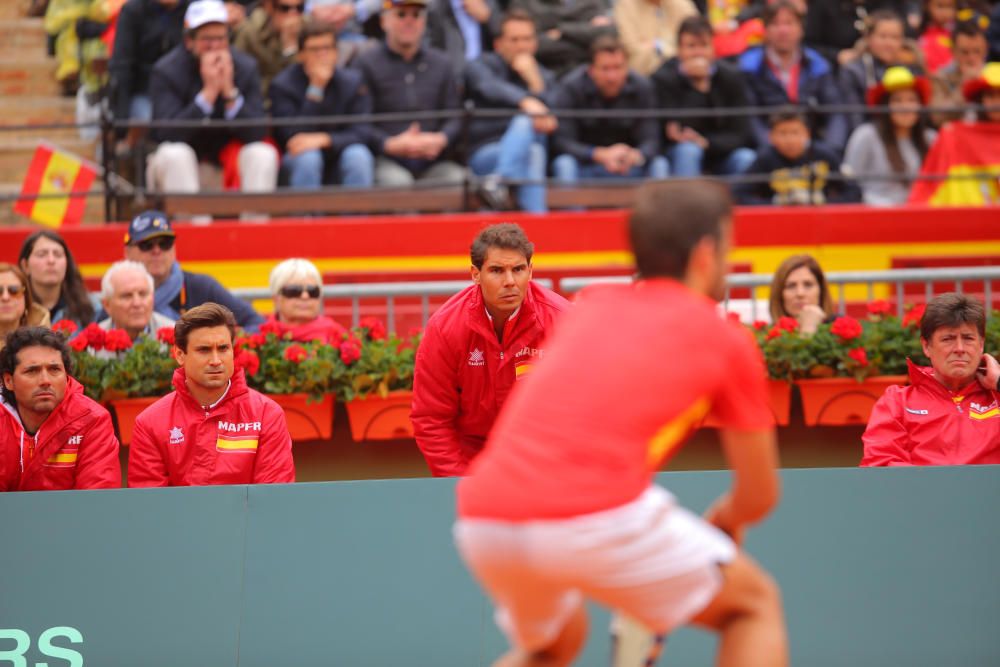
x=238 y=437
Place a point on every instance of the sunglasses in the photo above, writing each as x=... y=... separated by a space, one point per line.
x=288 y=9
x=12 y=290
x=295 y=291
x=409 y=13
x=164 y=243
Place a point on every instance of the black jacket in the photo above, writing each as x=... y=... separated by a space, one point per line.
x=724 y=133
x=443 y=31
x=579 y=136
x=572 y=19
x=200 y=288
x=174 y=84
x=146 y=31
x=345 y=95
x=832 y=25
x=491 y=84
x=814 y=177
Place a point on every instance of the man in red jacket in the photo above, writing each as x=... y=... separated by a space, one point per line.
x=476 y=347
x=52 y=437
x=212 y=429
x=949 y=414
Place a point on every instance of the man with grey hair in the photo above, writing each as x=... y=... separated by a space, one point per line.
x=127 y=297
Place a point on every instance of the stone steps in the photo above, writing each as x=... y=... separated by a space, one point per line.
x=13 y=9
x=28 y=76
x=22 y=38
x=16 y=154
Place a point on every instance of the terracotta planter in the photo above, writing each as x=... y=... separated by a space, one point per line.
x=779 y=399
x=306 y=420
x=126 y=410
x=377 y=418
x=840 y=401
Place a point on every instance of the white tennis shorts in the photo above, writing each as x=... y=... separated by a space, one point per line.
x=651 y=559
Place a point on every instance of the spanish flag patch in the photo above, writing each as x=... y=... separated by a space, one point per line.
x=244 y=444
x=522 y=368
x=63 y=459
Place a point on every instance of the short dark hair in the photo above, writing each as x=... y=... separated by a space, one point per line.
x=605 y=44
x=969 y=28
x=24 y=337
x=516 y=14
x=202 y=317
x=951 y=310
x=882 y=16
x=697 y=25
x=312 y=29
x=772 y=9
x=670 y=218
x=505 y=235
x=785 y=115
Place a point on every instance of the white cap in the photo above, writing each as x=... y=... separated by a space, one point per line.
x=201 y=12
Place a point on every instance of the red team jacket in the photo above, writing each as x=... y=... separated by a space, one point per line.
x=463 y=374
x=74 y=448
x=242 y=440
x=926 y=424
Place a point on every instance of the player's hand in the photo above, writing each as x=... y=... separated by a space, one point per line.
x=720 y=516
x=989 y=372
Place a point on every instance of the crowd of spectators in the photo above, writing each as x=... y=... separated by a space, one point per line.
x=528 y=62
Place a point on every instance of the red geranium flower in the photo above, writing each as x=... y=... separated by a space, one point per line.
x=847 y=328
x=67 y=327
x=376 y=330
x=787 y=323
x=269 y=327
x=79 y=343
x=165 y=335
x=296 y=353
x=248 y=361
x=350 y=351
x=117 y=340
x=760 y=325
x=733 y=317
x=94 y=335
x=914 y=315
x=774 y=333
x=859 y=355
x=414 y=331
x=879 y=307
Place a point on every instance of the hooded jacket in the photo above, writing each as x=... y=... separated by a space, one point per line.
x=927 y=424
x=241 y=439
x=463 y=373
x=74 y=448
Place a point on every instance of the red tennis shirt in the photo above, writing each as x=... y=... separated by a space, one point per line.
x=628 y=373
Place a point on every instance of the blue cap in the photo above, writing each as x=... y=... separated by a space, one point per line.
x=147 y=225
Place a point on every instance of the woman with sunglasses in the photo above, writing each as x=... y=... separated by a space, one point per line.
x=296 y=287
x=54 y=278
x=17 y=308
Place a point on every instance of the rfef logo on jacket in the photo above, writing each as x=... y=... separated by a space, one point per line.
x=238 y=437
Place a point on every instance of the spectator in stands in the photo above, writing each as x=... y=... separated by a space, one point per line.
x=883 y=42
x=783 y=72
x=297 y=289
x=403 y=75
x=993 y=33
x=56 y=283
x=566 y=29
x=212 y=429
x=316 y=86
x=736 y=24
x=271 y=35
x=799 y=290
x=969 y=52
x=512 y=148
x=947 y=415
x=834 y=28
x=607 y=146
x=127 y=296
x=464 y=29
x=696 y=80
x=794 y=170
x=236 y=12
x=147 y=30
x=476 y=346
x=936 y=26
x=52 y=437
x=648 y=29
x=62 y=19
x=886 y=154
x=204 y=79
x=17 y=306
x=985 y=90
x=150 y=240
x=347 y=18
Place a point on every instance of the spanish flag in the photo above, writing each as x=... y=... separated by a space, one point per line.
x=54 y=172
x=970 y=154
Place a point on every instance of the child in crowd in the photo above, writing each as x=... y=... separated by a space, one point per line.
x=792 y=170
x=886 y=153
x=935 y=32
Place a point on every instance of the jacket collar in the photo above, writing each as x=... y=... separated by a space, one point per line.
x=65 y=412
x=526 y=315
x=923 y=376
x=237 y=387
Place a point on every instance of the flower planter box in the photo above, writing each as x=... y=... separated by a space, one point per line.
x=307 y=420
x=779 y=399
x=126 y=410
x=840 y=401
x=377 y=418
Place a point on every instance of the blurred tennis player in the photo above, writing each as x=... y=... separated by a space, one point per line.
x=561 y=508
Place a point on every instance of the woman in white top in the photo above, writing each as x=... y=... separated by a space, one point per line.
x=885 y=155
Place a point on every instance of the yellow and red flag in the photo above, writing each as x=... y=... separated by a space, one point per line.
x=54 y=172
x=969 y=153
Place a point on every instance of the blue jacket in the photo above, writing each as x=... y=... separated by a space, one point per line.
x=817 y=85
